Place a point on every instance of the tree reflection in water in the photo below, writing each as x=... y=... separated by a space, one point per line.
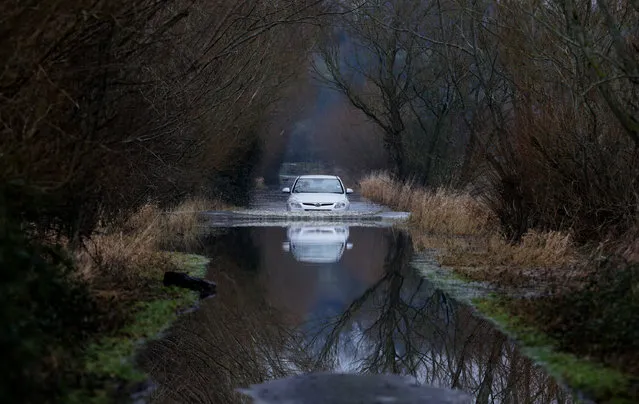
x=234 y=339
x=403 y=325
x=399 y=324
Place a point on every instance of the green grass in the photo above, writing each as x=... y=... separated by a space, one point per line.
x=593 y=379
x=110 y=359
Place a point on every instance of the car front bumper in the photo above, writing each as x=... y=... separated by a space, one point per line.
x=308 y=207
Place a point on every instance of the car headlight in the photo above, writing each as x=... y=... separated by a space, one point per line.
x=340 y=205
x=295 y=205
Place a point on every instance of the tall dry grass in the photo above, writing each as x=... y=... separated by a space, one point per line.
x=537 y=249
x=466 y=233
x=437 y=211
x=134 y=252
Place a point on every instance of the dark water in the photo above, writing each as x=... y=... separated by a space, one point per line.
x=332 y=299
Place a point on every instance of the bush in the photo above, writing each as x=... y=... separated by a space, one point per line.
x=598 y=318
x=108 y=106
x=44 y=314
x=560 y=169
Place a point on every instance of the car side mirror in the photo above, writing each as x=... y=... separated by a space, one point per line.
x=286 y=190
x=349 y=190
x=286 y=246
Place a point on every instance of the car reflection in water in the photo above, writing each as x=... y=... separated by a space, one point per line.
x=317 y=244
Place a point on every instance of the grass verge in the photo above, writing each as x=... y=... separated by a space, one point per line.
x=109 y=368
x=123 y=268
x=601 y=383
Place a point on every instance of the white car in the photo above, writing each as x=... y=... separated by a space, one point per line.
x=317 y=193
x=317 y=244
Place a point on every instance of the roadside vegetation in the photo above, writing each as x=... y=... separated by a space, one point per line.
x=510 y=131
x=438 y=210
x=72 y=315
x=119 y=121
x=586 y=296
x=468 y=236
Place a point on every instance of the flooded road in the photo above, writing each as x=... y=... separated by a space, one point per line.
x=269 y=200
x=340 y=298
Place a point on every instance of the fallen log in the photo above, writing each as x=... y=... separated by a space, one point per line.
x=183 y=280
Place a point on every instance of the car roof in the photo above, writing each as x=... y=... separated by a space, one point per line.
x=318 y=176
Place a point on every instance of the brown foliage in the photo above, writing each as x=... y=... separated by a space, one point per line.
x=562 y=170
x=560 y=151
x=105 y=107
x=442 y=216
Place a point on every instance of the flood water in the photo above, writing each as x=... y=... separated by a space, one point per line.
x=309 y=298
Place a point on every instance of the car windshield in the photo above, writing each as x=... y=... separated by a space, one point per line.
x=318 y=185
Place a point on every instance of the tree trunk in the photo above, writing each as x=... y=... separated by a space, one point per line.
x=395 y=150
x=432 y=147
x=394 y=144
x=468 y=156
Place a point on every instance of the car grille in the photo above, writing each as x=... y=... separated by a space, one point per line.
x=317 y=204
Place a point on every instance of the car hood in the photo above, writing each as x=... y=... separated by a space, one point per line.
x=317 y=244
x=321 y=198
x=318 y=253
x=318 y=235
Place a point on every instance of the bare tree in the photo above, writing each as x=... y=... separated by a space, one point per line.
x=416 y=70
x=375 y=69
x=606 y=36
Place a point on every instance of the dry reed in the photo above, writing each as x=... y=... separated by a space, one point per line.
x=536 y=250
x=133 y=252
x=435 y=211
x=439 y=217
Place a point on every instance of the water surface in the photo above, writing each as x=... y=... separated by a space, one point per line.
x=332 y=298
